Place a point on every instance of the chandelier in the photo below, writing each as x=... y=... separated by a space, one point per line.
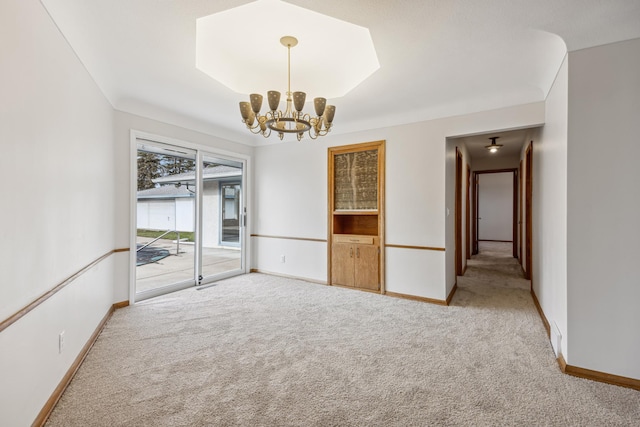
x=289 y=121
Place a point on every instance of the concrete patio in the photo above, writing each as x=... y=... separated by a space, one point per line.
x=178 y=266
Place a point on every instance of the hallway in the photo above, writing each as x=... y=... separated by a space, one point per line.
x=494 y=266
x=494 y=284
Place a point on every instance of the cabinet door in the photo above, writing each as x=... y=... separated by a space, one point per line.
x=342 y=256
x=367 y=270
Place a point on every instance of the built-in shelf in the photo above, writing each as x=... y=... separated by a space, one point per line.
x=356 y=224
x=356 y=216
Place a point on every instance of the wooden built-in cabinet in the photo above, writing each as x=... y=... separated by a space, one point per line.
x=356 y=261
x=356 y=216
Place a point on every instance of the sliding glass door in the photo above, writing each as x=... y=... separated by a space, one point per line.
x=189 y=218
x=222 y=217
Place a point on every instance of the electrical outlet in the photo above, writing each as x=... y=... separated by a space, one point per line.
x=60 y=342
x=282 y=259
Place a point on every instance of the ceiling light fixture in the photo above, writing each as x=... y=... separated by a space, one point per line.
x=493 y=147
x=289 y=121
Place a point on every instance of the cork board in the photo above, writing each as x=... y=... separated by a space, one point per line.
x=356 y=180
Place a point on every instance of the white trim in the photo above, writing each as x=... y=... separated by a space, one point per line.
x=133 y=214
x=136 y=134
x=198 y=236
x=210 y=177
x=161 y=290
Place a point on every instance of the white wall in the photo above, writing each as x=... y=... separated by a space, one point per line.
x=549 y=208
x=56 y=133
x=602 y=211
x=495 y=206
x=185 y=215
x=156 y=214
x=497 y=161
x=291 y=198
x=304 y=259
x=166 y=214
x=291 y=201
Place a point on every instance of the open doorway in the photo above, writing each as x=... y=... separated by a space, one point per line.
x=496 y=204
x=463 y=191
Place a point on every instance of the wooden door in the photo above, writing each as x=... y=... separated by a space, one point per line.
x=342 y=264
x=367 y=274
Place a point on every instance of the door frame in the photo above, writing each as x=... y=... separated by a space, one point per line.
x=467 y=218
x=520 y=209
x=529 y=212
x=208 y=154
x=458 y=214
x=476 y=177
x=136 y=136
x=474 y=210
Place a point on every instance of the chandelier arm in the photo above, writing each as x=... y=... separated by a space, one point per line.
x=253 y=129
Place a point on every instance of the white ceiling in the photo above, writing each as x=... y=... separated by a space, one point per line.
x=511 y=141
x=352 y=60
x=437 y=58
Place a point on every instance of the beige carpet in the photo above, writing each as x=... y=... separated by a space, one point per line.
x=258 y=350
